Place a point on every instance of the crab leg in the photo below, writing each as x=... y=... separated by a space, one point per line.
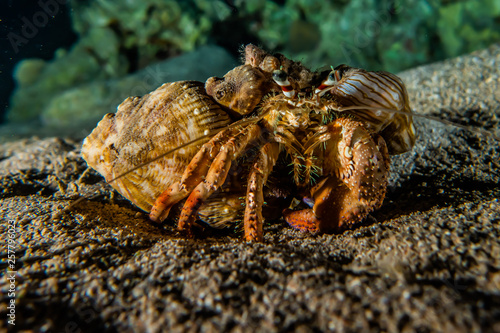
x=197 y=168
x=261 y=169
x=216 y=175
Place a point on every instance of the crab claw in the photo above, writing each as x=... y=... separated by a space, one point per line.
x=303 y=220
x=357 y=187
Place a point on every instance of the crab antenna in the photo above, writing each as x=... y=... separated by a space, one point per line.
x=424 y=116
x=281 y=78
x=208 y=135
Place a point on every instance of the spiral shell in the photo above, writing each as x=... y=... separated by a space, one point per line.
x=378 y=91
x=143 y=129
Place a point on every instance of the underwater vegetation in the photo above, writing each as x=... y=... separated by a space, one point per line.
x=119 y=38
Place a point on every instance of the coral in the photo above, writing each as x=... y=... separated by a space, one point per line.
x=28 y=71
x=116 y=38
x=95 y=57
x=84 y=105
x=466 y=26
x=389 y=35
x=121 y=37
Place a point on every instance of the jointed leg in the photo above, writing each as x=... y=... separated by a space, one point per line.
x=195 y=171
x=216 y=175
x=261 y=169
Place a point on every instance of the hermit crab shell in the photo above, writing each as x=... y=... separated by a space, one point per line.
x=144 y=128
x=378 y=91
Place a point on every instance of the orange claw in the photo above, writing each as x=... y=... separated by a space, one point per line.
x=303 y=220
x=354 y=185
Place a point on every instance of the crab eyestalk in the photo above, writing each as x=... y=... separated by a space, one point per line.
x=332 y=79
x=281 y=78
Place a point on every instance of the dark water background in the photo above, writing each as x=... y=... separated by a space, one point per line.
x=391 y=35
x=42 y=42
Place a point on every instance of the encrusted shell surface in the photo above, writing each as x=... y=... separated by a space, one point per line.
x=144 y=128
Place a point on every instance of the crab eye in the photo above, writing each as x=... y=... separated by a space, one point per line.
x=331 y=77
x=330 y=80
x=280 y=77
x=340 y=70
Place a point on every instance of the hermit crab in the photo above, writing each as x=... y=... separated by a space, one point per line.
x=269 y=130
